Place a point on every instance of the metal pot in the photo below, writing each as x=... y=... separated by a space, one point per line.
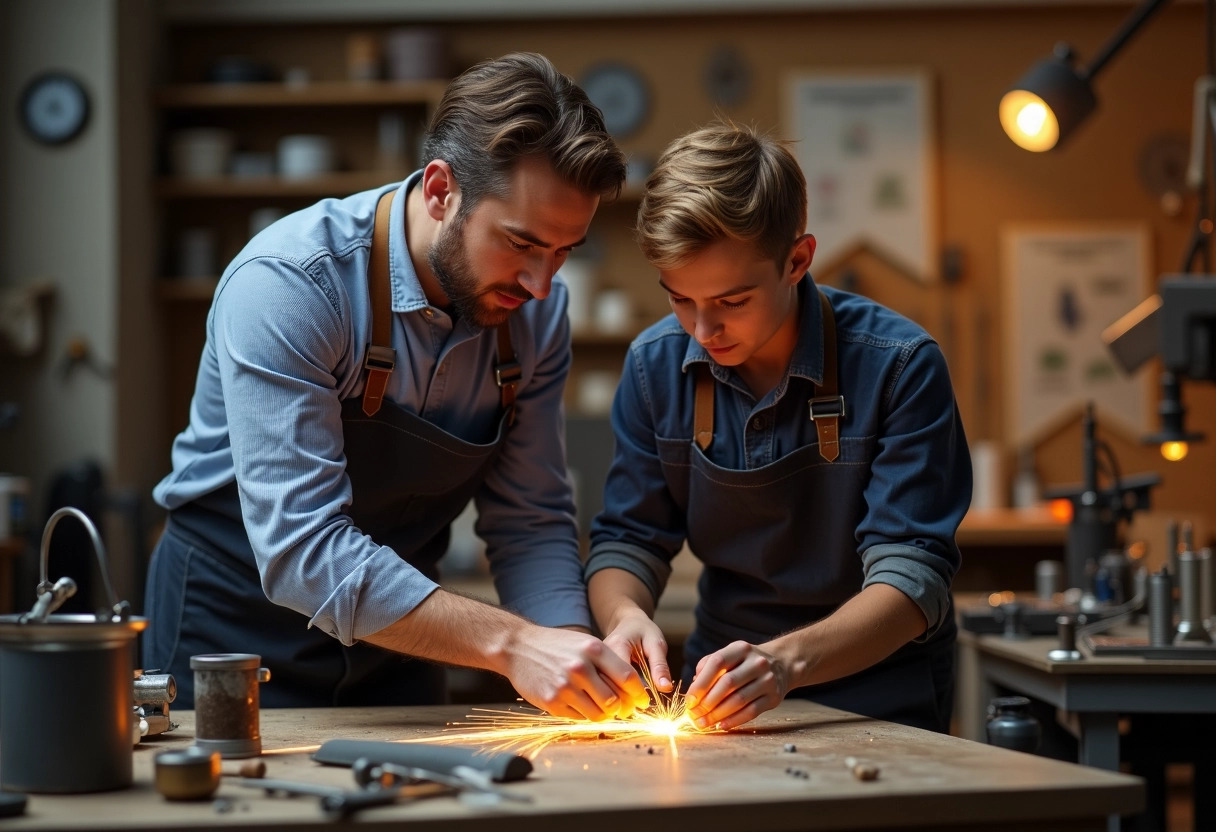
x=65 y=687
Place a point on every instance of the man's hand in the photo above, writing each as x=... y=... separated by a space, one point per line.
x=636 y=636
x=574 y=675
x=735 y=685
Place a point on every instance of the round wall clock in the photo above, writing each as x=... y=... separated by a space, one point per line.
x=54 y=108
x=621 y=94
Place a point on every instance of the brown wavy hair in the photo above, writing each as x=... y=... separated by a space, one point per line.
x=517 y=106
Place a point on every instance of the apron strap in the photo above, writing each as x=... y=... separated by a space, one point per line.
x=827 y=406
x=380 y=358
x=507 y=372
x=703 y=407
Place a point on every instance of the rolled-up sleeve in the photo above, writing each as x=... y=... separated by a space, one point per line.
x=525 y=507
x=279 y=331
x=920 y=486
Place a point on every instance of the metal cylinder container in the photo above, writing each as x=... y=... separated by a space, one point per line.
x=226 y=703
x=65 y=689
x=1048 y=576
x=1190 y=624
x=1207 y=590
x=1160 y=609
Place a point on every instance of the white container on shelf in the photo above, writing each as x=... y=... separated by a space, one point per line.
x=200 y=152
x=579 y=274
x=305 y=155
x=614 y=312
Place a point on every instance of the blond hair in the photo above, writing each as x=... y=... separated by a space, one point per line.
x=721 y=182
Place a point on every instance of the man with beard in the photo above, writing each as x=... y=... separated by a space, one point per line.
x=371 y=365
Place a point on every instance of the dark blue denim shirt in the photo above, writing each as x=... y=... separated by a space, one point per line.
x=902 y=424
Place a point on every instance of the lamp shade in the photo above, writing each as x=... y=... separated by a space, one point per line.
x=1047 y=104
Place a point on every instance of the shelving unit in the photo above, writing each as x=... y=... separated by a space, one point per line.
x=258 y=114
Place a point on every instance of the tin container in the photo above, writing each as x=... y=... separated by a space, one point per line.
x=66 y=706
x=226 y=703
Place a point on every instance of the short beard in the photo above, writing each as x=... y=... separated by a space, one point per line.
x=450 y=265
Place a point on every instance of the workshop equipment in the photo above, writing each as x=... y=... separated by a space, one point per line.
x=189 y=774
x=153 y=694
x=65 y=687
x=1012 y=725
x=226 y=703
x=501 y=767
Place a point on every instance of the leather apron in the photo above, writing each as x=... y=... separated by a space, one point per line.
x=777 y=555
x=410 y=479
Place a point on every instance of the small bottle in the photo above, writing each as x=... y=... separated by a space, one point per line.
x=1025 y=483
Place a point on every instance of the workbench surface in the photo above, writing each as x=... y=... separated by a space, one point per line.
x=741 y=782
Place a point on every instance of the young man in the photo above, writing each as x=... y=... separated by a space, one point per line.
x=806 y=444
x=371 y=364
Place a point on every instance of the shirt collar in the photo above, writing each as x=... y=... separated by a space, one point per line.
x=405 y=287
x=807 y=360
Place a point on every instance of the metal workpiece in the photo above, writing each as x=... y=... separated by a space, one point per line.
x=1190 y=624
x=1067 y=650
x=462 y=778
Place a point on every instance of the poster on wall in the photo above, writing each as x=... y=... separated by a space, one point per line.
x=1064 y=284
x=866 y=146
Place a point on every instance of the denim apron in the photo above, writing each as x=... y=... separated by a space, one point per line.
x=410 y=479
x=770 y=567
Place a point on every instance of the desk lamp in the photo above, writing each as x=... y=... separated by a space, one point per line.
x=1046 y=105
x=1051 y=100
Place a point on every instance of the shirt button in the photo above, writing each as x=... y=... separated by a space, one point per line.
x=428 y=313
x=758 y=423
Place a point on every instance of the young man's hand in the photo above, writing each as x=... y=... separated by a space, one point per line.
x=735 y=685
x=574 y=675
x=637 y=638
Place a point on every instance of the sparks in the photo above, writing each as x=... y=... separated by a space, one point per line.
x=527 y=731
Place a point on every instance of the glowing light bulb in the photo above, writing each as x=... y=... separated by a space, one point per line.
x=1174 y=451
x=1031 y=118
x=1028 y=121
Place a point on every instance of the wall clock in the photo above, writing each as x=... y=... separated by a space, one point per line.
x=54 y=108
x=621 y=94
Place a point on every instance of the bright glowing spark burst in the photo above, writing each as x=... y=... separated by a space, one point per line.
x=527 y=731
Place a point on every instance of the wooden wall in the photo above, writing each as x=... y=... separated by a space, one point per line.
x=984 y=182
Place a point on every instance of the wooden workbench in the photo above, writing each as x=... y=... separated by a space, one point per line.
x=716 y=783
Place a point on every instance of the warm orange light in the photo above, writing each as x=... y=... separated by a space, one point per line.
x=1028 y=121
x=1060 y=510
x=1174 y=451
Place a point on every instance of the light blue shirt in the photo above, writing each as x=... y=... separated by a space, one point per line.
x=285 y=341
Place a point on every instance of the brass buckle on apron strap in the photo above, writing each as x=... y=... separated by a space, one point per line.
x=381 y=359
x=826 y=410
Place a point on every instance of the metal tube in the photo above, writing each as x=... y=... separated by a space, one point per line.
x=1190 y=625
x=1160 y=609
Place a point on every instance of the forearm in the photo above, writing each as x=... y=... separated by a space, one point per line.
x=614 y=594
x=869 y=627
x=452 y=629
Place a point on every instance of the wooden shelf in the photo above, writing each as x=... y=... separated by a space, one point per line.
x=176 y=289
x=314 y=94
x=1032 y=526
x=601 y=340
x=276 y=187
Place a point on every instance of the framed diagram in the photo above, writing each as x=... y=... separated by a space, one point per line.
x=1064 y=284
x=865 y=142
